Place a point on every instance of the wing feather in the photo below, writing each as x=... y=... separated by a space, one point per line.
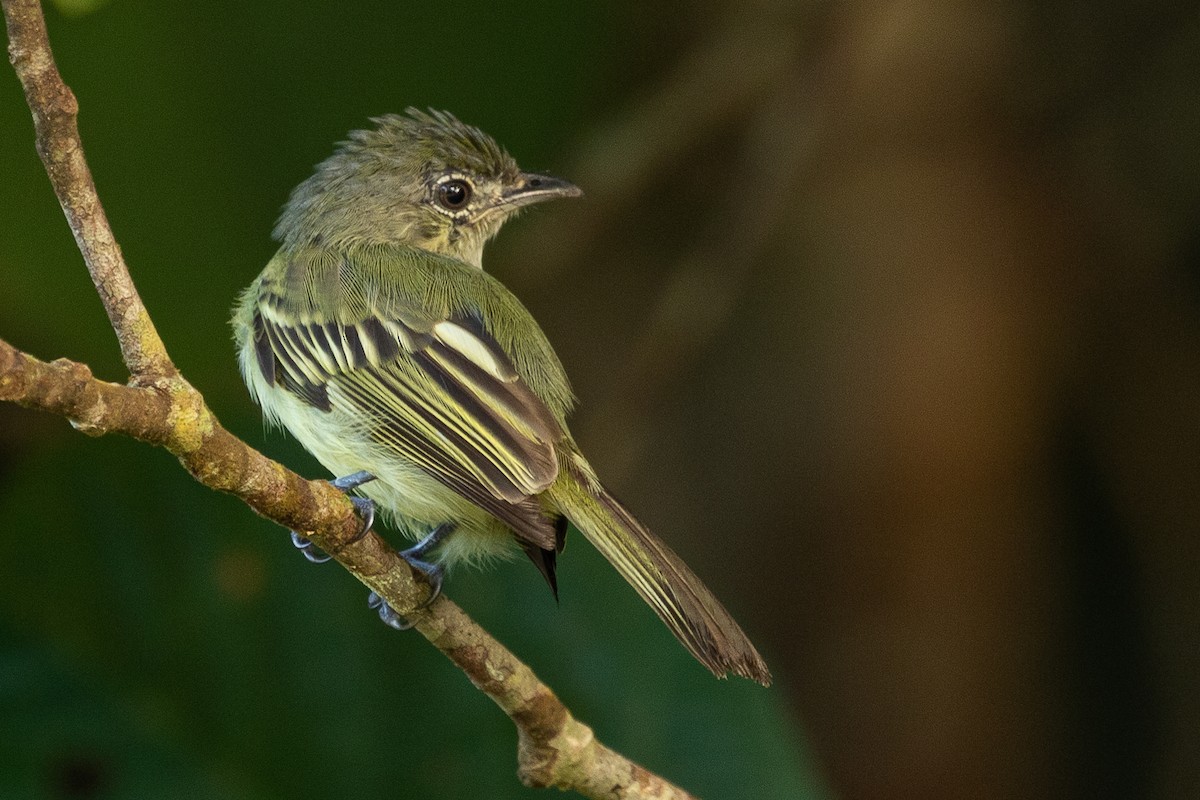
x=438 y=392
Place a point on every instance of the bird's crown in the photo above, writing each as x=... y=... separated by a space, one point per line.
x=422 y=179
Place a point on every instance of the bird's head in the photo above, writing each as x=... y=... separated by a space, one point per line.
x=422 y=179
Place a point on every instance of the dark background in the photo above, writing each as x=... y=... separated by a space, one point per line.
x=885 y=314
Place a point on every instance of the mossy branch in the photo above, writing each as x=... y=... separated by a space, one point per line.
x=160 y=407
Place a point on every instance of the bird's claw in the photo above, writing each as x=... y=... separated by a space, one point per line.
x=366 y=512
x=399 y=622
x=364 y=507
x=309 y=550
x=386 y=614
x=434 y=574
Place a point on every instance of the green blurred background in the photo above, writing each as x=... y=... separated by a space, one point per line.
x=885 y=314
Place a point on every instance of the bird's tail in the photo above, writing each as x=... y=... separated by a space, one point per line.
x=679 y=598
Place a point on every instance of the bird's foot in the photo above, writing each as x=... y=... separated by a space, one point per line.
x=434 y=573
x=365 y=508
x=387 y=615
x=309 y=550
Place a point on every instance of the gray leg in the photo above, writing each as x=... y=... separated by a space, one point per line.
x=352 y=481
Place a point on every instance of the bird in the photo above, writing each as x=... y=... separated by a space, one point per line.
x=375 y=337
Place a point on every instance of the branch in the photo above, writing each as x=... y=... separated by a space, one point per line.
x=54 y=120
x=161 y=408
x=554 y=748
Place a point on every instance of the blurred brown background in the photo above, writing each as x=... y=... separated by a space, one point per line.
x=887 y=314
x=907 y=306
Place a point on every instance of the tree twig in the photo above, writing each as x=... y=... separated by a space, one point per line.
x=55 y=110
x=555 y=749
x=161 y=408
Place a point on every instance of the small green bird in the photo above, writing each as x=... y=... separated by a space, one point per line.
x=375 y=337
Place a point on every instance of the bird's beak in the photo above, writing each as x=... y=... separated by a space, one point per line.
x=534 y=188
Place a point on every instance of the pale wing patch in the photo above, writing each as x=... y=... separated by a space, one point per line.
x=477 y=351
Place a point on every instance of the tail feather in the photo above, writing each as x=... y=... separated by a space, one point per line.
x=546 y=560
x=679 y=598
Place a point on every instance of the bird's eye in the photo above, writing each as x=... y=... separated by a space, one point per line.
x=454 y=195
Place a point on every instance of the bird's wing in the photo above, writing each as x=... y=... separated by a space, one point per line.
x=435 y=390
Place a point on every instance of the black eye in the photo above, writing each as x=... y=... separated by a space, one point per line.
x=454 y=195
